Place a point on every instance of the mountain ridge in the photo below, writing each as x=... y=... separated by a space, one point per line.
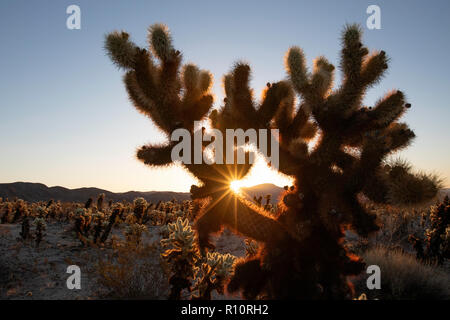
x=33 y=192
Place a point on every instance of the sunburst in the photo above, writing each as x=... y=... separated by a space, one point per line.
x=236 y=186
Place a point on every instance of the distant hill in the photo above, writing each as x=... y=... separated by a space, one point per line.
x=33 y=192
x=262 y=190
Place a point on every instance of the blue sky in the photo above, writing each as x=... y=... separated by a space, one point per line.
x=65 y=118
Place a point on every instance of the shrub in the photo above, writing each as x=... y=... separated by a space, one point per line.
x=131 y=272
x=403 y=277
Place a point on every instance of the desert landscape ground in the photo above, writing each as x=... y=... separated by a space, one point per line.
x=130 y=264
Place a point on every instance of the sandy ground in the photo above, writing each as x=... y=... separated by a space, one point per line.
x=27 y=272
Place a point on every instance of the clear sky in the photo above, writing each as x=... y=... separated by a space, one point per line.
x=64 y=114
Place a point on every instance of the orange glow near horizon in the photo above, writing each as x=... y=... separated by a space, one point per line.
x=261 y=173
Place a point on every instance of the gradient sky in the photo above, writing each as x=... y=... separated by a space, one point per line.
x=65 y=118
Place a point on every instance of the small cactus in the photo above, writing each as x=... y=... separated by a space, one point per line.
x=40 y=226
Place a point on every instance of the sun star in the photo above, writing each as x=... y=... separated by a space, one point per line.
x=235 y=186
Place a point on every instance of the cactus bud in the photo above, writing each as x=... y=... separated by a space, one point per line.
x=190 y=76
x=160 y=41
x=205 y=81
x=352 y=36
x=296 y=67
x=120 y=49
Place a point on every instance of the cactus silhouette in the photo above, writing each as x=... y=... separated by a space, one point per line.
x=301 y=253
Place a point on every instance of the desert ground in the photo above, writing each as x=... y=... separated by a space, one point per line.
x=129 y=263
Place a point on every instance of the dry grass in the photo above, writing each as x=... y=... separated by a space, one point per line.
x=397 y=224
x=403 y=277
x=132 y=272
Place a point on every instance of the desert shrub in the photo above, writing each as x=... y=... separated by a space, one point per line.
x=131 y=271
x=403 y=277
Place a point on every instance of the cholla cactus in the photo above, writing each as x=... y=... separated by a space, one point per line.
x=41 y=212
x=437 y=236
x=100 y=200
x=215 y=271
x=347 y=161
x=54 y=210
x=222 y=263
x=434 y=244
x=82 y=221
x=181 y=236
x=251 y=247
x=20 y=210
x=25 y=229
x=182 y=257
x=41 y=226
x=112 y=219
x=7 y=209
x=99 y=224
x=301 y=253
x=140 y=204
x=134 y=231
x=175 y=99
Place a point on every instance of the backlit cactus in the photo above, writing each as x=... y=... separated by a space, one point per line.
x=190 y=270
x=301 y=253
x=182 y=257
x=346 y=162
x=213 y=274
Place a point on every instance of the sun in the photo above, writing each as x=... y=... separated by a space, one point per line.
x=235 y=186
